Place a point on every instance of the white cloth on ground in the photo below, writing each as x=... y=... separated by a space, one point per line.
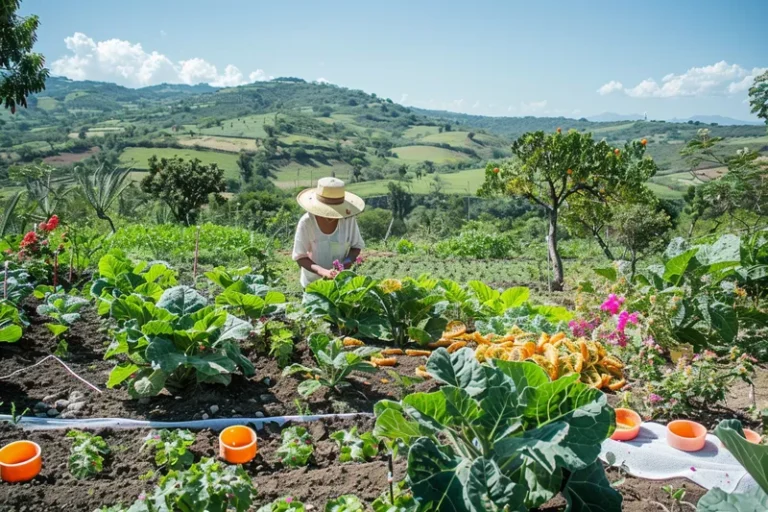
x=649 y=456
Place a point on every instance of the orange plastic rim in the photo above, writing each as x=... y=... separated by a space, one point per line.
x=20 y=461
x=627 y=425
x=237 y=445
x=751 y=436
x=686 y=435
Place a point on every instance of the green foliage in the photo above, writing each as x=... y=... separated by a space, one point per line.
x=63 y=308
x=208 y=485
x=171 y=447
x=284 y=504
x=118 y=276
x=297 y=447
x=334 y=364
x=280 y=342
x=403 y=500
x=184 y=186
x=174 y=343
x=501 y=436
x=10 y=323
x=356 y=447
x=102 y=187
x=252 y=306
x=529 y=318
x=345 y=503
x=405 y=246
x=477 y=245
x=86 y=458
x=23 y=72
x=758 y=96
x=754 y=458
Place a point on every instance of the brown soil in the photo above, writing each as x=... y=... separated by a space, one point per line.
x=268 y=392
x=70 y=158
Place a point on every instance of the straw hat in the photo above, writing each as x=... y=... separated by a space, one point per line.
x=330 y=200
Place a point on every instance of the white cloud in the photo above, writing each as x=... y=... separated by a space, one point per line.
x=476 y=104
x=129 y=64
x=718 y=79
x=403 y=98
x=532 y=107
x=610 y=87
x=322 y=80
x=258 y=76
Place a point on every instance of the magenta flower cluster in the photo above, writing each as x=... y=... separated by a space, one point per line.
x=612 y=304
x=583 y=328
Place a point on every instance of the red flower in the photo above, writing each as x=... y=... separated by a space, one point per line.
x=29 y=239
x=52 y=223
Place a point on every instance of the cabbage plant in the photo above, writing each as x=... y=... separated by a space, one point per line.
x=501 y=437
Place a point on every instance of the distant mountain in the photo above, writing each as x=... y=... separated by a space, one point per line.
x=721 y=120
x=180 y=88
x=612 y=117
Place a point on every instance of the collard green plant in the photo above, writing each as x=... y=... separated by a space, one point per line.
x=528 y=317
x=118 y=276
x=86 y=458
x=413 y=310
x=399 y=500
x=334 y=364
x=754 y=458
x=501 y=437
x=10 y=323
x=175 y=343
x=284 y=504
x=347 y=303
x=494 y=302
x=297 y=447
x=64 y=309
x=345 y=503
x=252 y=306
x=241 y=279
x=208 y=485
x=18 y=287
x=171 y=447
x=356 y=447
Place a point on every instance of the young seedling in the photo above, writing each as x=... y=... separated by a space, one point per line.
x=354 y=447
x=345 y=503
x=16 y=418
x=676 y=495
x=171 y=447
x=86 y=458
x=297 y=447
x=284 y=504
x=280 y=342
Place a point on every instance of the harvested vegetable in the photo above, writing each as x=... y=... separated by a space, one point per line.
x=352 y=342
x=392 y=352
x=418 y=353
x=384 y=361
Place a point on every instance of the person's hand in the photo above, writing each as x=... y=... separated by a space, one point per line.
x=326 y=274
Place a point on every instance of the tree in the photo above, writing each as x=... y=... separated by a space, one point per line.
x=102 y=187
x=640 y=230
x=22 y=72
x=82 y=134
x=245 y=164
x=184 y=186
x=549 y=170
x=262 y=167
x=400 y=202
x=758 y=97
x=402 y=171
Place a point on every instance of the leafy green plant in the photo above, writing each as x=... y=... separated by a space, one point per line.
x=280 y=342
x=252 y=306
x=118 y=276
x=754 y=458
x=413 y=310
x=171 y=447
x=284 y=504
x=175 y=343
x=501 y=436
x=15 y=416
x=528 y=317
x=10 y=323
x=297 y=447
x=334 y=364
x=207 y=485
x=86 y=458
x=64 y=309
x=345 y=503
x=356 y=447
x=399 y=499
x=405 y=246
x=347 y=303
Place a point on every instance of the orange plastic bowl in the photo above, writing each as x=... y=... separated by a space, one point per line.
x=237 y=445
x=627 y=425
x=686 y=435
x=20 y=461
x=751 y=436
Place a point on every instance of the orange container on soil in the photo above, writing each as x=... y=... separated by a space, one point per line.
x=751 y=436
x=20 y=461
x=627 y=425
x=686 y=435
x=237 y=445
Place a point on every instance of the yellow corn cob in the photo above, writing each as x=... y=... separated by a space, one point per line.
x=418 y=353
x=617 y=385
x=454 y=329
x=456 y=346
x=442 y=342
x=384 y=361
x=392 y=352
x=421 y=371
x=352 y=342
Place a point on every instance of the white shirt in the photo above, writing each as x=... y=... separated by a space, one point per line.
x=323 y=249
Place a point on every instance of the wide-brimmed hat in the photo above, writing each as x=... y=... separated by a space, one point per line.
x=329 y=199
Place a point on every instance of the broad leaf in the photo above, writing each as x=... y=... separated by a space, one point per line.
x=181 y=300
x=717 y=500
x=588 y=490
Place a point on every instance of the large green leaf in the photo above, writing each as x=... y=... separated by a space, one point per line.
x=488 y=488
x=753 y=457
x=717 y=500
x=483 y=292
x=120 y=373
x=392 y=424
x=459 y=369
x=588 y=490
x=608 y=272
x=515 y=296
x=10 y=333
x=675 y=268
x=437 y=476
x=181 y=300
x=164 y=354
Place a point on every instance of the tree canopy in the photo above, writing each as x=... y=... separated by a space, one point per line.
x=22 y=72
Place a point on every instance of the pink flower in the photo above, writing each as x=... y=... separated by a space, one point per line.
x=654 y=398
x=693 y=469
x=338 y=265
x=288 y=499
x=358 y=261
x=612 y=304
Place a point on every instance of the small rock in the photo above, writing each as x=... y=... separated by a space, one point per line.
x=253 y=400
x=214 y=409
x=50 y=399
x=68 y=415
x=267 y=381
x=76 y=396
x=41 y=407
x=261 y=467
x=234 y=411
x=267 y=398
x=53 y=412
x=41 y=415
x=61 y=404
x=75 y=406
x=144 y=400
x=178 y=398
x=258 y=414
x=205 y=416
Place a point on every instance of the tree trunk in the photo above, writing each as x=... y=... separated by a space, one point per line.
x=554 y=255
x=603 y=245
x=104 y=216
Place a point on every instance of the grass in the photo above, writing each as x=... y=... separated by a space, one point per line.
x=664 y=191
x=137 y=158
x=230 y=144
x=47 y=103
x=453 y=183
x=414 y=154
x=248 y=126
x=74 y=95
x=415 y=132
x=304 y=139
x=297 y=175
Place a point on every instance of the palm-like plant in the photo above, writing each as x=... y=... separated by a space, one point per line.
x=9 y=218
x=102 y=187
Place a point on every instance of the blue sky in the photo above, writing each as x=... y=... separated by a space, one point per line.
x=671 y=58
